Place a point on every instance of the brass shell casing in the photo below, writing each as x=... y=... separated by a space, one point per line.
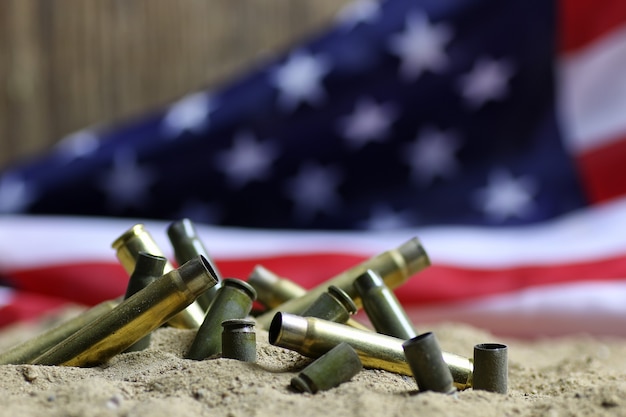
x=491 y=367
x=188 y=245
x=30 y=349
x=133 y=318
x=147 y=270
x=313 y=337
x=138 y=239
x=333 y=305
x=429 y=369
x=395 y=266
x=334 y=367
x=382 y=306
x=233 y=301
x=273 y=290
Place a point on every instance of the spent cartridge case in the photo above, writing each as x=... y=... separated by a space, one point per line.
x=382 y=307
x=239 y=340
x=334 y=305
x=271 y=289
x=427 y=364
x=395 y=266
x=336 y=366
x=133 y=318
x=233 y=301
x=188 y=245
x=147 y=269
x=491 y=370
x=138 y=239
x=313 y=337
x=27 y=351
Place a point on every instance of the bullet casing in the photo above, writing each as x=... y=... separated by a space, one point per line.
x=239 y=340
x=395 y=266
x=313 y=337
x=233 y=301
x=271 y=289
x=336 y=366
x=382 y=307
x=491 y=367
x=429 y=369
x=147 y=269
x=333 y=305
x=133 y=318
x=138 y=239
x=29 y=350
x=188 y=245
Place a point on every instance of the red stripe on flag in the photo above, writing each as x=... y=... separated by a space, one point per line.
x=27 y=306
x=583 y=21
x=444 y=283
x=91 y=283
x=600 y=170
x=85 y=283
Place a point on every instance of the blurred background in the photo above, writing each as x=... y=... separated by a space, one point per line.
x=69 y=64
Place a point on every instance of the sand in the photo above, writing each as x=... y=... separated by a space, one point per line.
x=573 y=376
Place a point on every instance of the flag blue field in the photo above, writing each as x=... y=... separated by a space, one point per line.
x=494 y=131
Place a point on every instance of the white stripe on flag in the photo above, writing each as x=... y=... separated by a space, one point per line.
x=593 y=307
x=589 y=234
x=592 y=93
x=6 y=296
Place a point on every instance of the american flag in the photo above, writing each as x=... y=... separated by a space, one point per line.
x=494 y=131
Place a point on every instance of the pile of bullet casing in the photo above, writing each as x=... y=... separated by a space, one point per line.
x=316 y=323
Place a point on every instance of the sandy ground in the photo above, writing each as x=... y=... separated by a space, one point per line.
x=574 y=376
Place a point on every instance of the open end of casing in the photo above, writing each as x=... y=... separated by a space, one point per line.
x=127 y=235
x=275 y=328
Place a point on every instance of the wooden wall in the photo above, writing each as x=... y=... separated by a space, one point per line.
x=69 y=64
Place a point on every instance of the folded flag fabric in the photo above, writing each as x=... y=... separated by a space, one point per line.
x=555 y=278
x=493 y=124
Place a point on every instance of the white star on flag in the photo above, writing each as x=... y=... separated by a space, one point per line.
x=126 y=184
x=15 y=194
x=506 y=197
x=487 y=81
x=78 y=144
x=299 y=80
x=358 y=11
x=200 y=212
x=421 y=46
x=370 y=122
x=313 y=190
x=382 y=217
x=247 y=160
x=191 y=113
x=431 y=155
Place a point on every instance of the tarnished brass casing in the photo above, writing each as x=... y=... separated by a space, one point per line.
x=233 y=301
x=188 y=245
x=239 y=340
x=334 y=367
x=382 y=307
x=334 y=305
x=30 y=349
x=429 y=369
x=313 y=337
x=133 y=318
x=491 y=367
x=138 y=239
x=147 y=269
x=273 y=290
x=395 y=266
